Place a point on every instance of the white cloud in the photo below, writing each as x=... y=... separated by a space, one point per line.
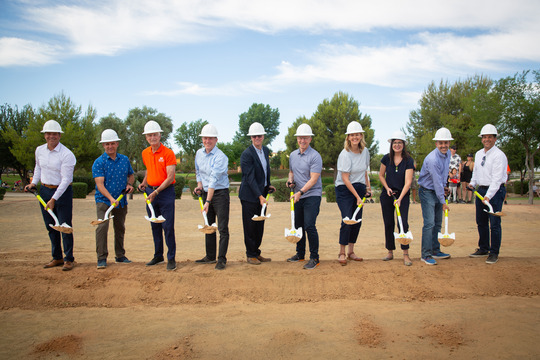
x=21 y=52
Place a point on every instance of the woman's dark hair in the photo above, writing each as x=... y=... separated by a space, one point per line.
x=404 y=154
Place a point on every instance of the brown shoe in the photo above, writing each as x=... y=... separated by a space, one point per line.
x=54 y=263
x=68 y=266
x=263 y=259
x=253 y=261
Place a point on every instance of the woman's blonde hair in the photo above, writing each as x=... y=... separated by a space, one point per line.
x=347 y=145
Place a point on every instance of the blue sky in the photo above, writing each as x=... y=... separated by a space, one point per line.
x=212 y=59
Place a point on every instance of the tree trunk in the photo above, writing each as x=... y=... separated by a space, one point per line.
x=530 y=170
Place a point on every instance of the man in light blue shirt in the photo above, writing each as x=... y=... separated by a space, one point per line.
x=432 y=182
x=211 y=166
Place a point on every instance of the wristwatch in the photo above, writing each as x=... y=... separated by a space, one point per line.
x=301 y=192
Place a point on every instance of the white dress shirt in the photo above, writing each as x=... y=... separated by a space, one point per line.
x=490 y=170
x=54 y=167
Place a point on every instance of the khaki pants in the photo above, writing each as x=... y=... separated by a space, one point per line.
x=102 y=230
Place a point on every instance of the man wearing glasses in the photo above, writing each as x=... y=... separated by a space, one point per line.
x=490 y=175
x=255 y=185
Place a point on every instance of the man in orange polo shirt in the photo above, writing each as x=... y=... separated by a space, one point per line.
x=160 y=163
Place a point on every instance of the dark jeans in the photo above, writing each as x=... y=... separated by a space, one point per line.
x=63 y=209
x=219 y=207
x=347 y=205
x=253 y=230
x=102 y=230
x=163 y=205
x=486 y=221
x=390 y=222
x=306 y=211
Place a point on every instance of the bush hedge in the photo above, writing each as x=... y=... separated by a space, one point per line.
x=2 y=193
x=330 y=191
x=179 y=186
x=282 y=193
x=80 y=190
x=192 y=183
x=88 y=180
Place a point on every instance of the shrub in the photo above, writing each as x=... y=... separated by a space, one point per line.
x=139 y=175
x=192 y=183
x=80 y=189
x=282 y=193
x=2 y=192
x=330 y=191
x=327 y=180
x=88 y=180
x=179 y=186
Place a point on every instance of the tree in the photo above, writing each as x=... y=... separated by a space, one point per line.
x=234 y=151
x=80 y=132
x=12 y=125
x=263 y=114
x=136 y=142
x=290 y=139
x=520 y=102
x=463 y=107
x=113 y=122
x=329 y=124
x=187 y=137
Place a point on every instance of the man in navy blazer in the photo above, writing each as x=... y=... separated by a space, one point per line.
x=255 y=185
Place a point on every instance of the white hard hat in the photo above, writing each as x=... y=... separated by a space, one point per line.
x=152 y=127
x=443 y=134
x=488 y=129
x=109 y=135
x=303 y=130
x=52 y=126
x=354 y=127
x=256 y=129
x=209 y=130
x=398 y=135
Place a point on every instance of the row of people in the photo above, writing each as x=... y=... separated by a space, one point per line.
x=113 y=175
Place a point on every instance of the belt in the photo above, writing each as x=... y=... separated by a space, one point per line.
x=485 y=187
x=50 y=186
x=218 y=191
x=155 y=187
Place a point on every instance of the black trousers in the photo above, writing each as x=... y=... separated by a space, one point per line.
x=253 y=230
x=390 y=222
x=219 y=207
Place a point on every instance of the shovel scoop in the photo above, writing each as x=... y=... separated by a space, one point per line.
x=153 y=218
x=446 y=239
x=293 y=235
x=353 y=220
x=402 y=237
x=263 y=216
x=106 y=216
x=490 y=211
x=206 y=228
x=63 y=228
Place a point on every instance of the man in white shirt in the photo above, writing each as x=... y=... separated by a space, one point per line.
x=54 y=168
x=490 y=175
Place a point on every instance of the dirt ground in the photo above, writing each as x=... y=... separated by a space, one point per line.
x=459 y=309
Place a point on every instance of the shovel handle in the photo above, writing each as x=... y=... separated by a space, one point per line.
x=201 y=203
x=292 y=201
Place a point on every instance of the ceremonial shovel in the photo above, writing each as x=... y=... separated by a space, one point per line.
x=106 y=216
x=446 y=239
x=402 y=237
x=64 y=228
x=353 y=220
x=207 y=229
x=499 y=214
x=262 y=216
x=153 y=219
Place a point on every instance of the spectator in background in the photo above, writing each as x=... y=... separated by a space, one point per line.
x=466 y=175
